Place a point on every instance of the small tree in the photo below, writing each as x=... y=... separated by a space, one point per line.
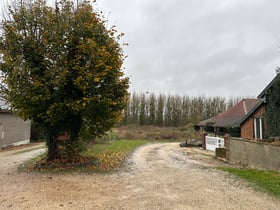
x=62 y=69
x=152 y=109
x=143 y=109
x=160 y=110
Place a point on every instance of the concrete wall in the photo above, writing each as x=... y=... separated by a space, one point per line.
x=13 y=130
x=254 y=154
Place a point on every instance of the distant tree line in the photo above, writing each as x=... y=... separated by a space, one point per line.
x=173 y=110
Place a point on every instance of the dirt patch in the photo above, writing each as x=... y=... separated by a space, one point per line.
x=156 y=176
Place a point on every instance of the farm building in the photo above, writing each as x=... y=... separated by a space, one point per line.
x=229 y=121
x=13 y=130
x=251 y=118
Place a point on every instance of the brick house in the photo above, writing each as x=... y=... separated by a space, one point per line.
x=13 y=130
x=253 y=125
x=263 y=121
x=251 y=118
x=229 y=121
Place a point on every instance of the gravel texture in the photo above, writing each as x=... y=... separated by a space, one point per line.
x=155 y=176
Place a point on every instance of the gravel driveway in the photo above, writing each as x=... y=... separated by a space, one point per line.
x=156 y=176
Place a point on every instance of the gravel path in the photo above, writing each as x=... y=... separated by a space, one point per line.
x=156 y=176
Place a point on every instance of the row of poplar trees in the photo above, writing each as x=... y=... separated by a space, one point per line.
x=172 y=110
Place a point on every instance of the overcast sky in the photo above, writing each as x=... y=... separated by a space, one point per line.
x=194 y=47
x=216 y=48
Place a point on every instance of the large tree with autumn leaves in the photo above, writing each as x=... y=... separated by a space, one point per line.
x=62 y=68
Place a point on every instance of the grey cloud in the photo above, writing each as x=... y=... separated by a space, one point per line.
x=220 y=47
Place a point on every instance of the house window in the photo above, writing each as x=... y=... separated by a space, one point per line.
x=258 y=127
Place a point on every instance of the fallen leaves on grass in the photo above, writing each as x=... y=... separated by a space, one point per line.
x=100 y=162
x=64 y=163
x=110 y=161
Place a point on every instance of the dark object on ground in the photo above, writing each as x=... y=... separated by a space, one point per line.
x=191 y=143
x=183 y=144
x=220 y=152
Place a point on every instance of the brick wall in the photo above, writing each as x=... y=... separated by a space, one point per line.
x=247 y=128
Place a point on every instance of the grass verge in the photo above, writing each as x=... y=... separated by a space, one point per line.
x=267 y=181
x=110 y=155
x=100 y=157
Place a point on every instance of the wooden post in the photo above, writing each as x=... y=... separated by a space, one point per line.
x=203 y=138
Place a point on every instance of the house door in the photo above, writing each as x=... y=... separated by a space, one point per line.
x=258 y=127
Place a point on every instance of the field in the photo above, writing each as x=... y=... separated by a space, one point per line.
x=153 y=133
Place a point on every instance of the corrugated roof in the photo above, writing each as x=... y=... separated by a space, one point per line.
x=233 y=116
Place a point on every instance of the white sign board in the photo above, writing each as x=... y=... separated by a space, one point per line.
x=214 y=142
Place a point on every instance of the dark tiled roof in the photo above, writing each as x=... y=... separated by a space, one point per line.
x=233 y=116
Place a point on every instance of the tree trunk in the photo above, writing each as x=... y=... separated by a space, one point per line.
x=52 y=147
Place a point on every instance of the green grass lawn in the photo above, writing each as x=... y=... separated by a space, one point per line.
x=98 y=157
x=111 y=154
x=267 y=181
x=102 y=156
x=114 y=146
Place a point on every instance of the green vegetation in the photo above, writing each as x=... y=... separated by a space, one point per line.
x=172 y=110
x=109 y=151
x=267 y=181
x=110 y=155
x=114 y=147
x=99 y=157
x=272 y=116
x=150 y=132
x=61 y=67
